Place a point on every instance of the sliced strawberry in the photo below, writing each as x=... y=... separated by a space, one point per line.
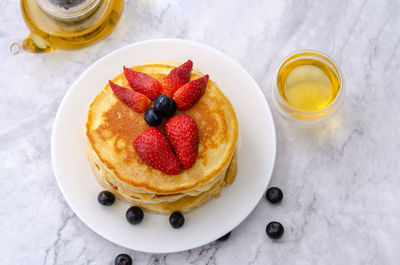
x=176 y=78
x=136 y=101
x=153 y=147
x=142 y=83
x=182 y=133
x=188 y=95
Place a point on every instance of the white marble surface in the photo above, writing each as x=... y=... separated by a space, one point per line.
x=341 y=181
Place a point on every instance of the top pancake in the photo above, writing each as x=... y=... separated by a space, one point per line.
x=112 y=127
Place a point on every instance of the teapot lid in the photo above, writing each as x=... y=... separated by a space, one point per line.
x=68 y=10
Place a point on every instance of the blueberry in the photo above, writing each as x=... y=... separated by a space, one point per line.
x=176 y=220
x=123 y=259
x=152 y=118
x=172 y=108
x=106 y=198
x=274 y=195
x=225 y=237
x=134 y=215
x=274 y=230
x=165 y=106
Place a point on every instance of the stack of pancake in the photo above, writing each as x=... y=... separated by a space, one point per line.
x=112 y=127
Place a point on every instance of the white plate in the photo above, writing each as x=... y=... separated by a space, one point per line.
x=256 y=151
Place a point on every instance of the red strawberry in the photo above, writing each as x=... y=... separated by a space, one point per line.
x=182 y=133
x=142 y=83
x=188 y=95
x=154 y=149
x=136 y=101
x=176 y=78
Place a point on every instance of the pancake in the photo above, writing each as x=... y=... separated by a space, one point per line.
x=227 y=176
x=183 y=204
x=112 y=127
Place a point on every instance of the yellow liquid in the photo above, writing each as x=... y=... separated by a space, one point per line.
x=308 y=85
x=48 y=33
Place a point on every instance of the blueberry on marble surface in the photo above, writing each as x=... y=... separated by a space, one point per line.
x=274 y=195
x=123 y=259
x=225 y=237
x=274 y=230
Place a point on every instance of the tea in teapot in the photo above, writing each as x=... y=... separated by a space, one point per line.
x=68 y=24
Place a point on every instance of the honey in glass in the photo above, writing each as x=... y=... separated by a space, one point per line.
x=308 y=86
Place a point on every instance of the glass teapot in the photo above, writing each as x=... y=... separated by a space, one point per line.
x=67 y=24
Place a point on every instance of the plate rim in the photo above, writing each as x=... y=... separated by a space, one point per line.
x=74 y=87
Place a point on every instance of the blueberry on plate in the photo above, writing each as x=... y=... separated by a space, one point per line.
x=225 y=237
x=274 y=195
x=134 y=215
x=106 y=198
x=123 y=259
x=176 y=220
x=152 y=118
x=274 y=230
x=165 y=106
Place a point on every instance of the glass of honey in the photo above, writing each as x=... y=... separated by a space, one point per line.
x=67 y=24
x=307 y=87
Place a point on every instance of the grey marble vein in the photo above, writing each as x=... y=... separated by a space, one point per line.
x=341 y=180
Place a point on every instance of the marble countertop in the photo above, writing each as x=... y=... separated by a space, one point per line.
x=341 y=181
